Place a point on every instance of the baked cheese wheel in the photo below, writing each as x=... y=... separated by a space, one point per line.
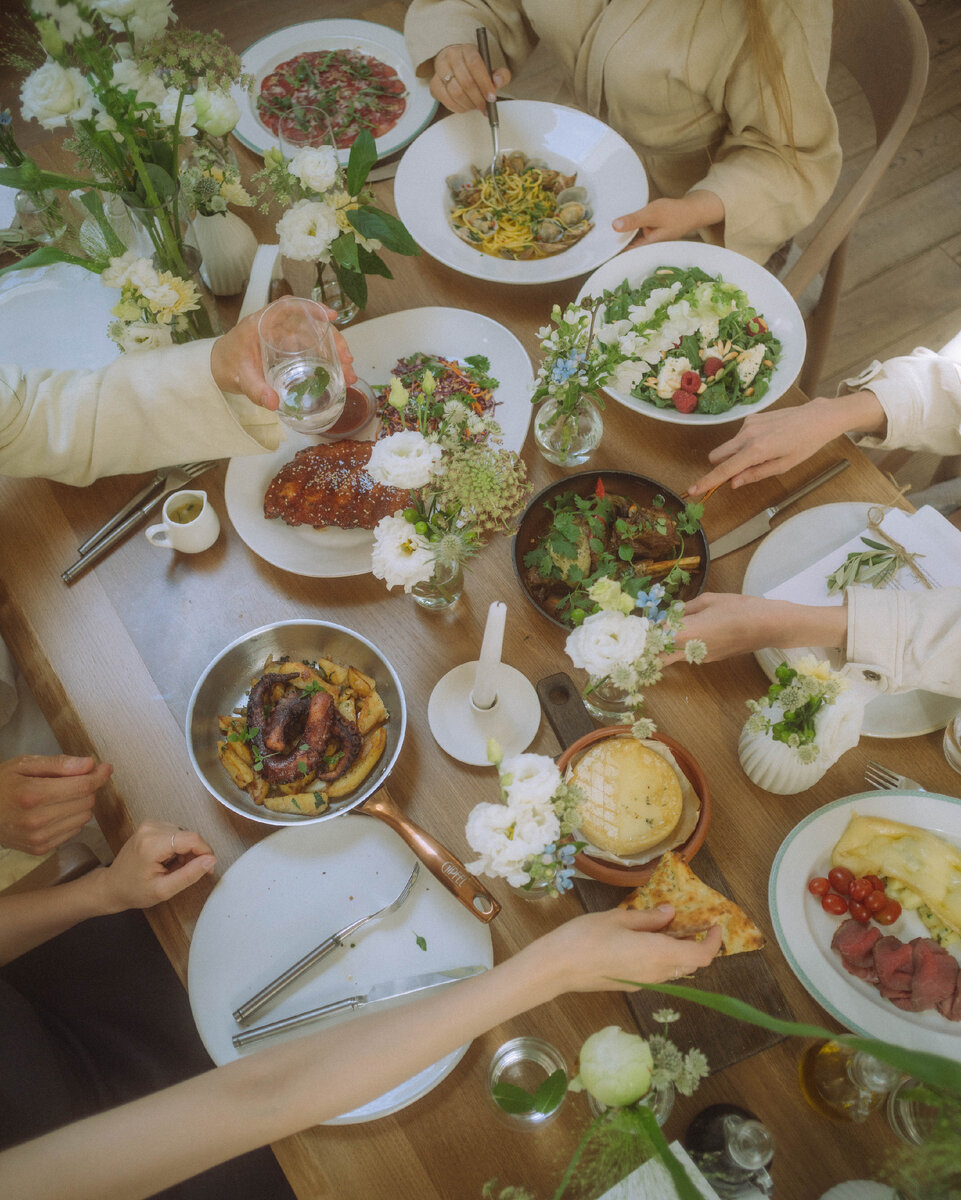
x=633 y=795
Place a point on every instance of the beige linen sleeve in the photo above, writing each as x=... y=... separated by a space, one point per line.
x=921 y=397
x=772 y=186
x=430 y=25
x=147 y=409
x=911 y=639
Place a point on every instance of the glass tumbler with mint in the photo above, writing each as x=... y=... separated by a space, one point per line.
x=301 y=363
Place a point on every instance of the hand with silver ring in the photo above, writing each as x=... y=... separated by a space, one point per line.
x=460 y=81
x=157 y=862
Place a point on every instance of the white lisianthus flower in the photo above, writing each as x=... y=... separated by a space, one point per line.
x=535 y=827
x=315 y=167
x=55 y=95
x=129 y=76
x=628 y=375
x=606 y=639
x=167 y=112
x=118 y=272
x=401 y=556
x=146 y=19
x=615 y=1067
x=531 y=779
x=306 y=231
x=70 y=24
x=217 y=112
x=404 y=460
x=492 y=833
x=609 y=596
x=139 y=335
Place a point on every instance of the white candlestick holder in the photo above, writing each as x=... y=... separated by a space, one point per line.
x=463 y=729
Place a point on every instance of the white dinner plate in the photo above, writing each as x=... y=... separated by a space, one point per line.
x=804 y=930
x=376 y=345
x=56 y=316
x=767 y=294
x=797 y=543
x=291 y=891
x=566 y=139
x=377 y=41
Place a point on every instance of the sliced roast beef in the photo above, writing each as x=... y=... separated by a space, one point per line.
x=935 y=974
x=854 y=942
x=951 y=1008
x=894 y=963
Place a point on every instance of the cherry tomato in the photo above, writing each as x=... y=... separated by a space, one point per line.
x=876 y=882
x=875 y=902
x=836 y=905
x=889 y=914
x=860 y=889
x=841 y=879
x=818 y=886
x=859 y=912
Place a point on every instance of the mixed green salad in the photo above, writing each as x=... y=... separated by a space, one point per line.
x=687 y=340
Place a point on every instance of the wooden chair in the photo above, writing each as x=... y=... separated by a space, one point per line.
x=883 y=45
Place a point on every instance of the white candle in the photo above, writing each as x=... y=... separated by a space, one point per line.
x=484 y=694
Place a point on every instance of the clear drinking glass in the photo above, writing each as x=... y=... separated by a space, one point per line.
x=309 y=125
x=301 y=363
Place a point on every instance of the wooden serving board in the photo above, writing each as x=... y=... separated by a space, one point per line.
x=746 y=976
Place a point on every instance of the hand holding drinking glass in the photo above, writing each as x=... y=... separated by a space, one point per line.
x=301 y=363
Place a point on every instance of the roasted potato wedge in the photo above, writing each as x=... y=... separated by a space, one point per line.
x=239 y=771
x=334 y=671
x=347 y=707
x=303 y=804
x=371 y=750
x=362 y=684
x=371 y=713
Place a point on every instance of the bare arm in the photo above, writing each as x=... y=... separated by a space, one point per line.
x=731 y=624
x=135 y=1150
x=770 y=443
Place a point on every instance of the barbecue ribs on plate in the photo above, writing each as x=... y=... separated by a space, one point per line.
x=329 y=485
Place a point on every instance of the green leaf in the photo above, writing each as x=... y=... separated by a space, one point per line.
x=512 y=1099
x=363 y=155
x=47 y=255
x=421 y=941
x=344 y=251
x=679 y=1177
x=94 y=205
x=551 y=1091
x=390 y=232
x=352 y=283
x=161 y=180
x=372 y=264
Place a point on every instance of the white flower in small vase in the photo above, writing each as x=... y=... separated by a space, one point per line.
x=404 y=460
x=316 y=167
x=56 y=95
x=401 y=556
x=605 y=640
x=306 y=231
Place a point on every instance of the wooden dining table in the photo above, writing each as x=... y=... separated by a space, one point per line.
x=113 y=659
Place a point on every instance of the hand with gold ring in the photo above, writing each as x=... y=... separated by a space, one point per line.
x=460 y=81
x=157 y=862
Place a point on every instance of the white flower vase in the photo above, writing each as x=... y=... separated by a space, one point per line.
x=775 y=766
x=227 y=246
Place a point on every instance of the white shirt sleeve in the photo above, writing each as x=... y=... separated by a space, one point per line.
x=921 y=397
x=902 y=640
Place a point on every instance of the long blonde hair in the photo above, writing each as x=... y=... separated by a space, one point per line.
x=768 y=62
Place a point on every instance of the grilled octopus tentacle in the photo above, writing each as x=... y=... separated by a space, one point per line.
x=285 y=768
x=348 y=735
x=285 y=722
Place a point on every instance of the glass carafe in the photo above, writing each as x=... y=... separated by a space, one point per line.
x=842 y=1083
x=732 y=1149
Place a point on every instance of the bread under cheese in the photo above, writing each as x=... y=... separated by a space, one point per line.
x=633 y=795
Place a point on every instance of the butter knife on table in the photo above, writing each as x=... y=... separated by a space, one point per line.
x=756 y=527
x=381 y=991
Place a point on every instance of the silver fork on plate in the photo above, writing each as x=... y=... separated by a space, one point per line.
x=132 y=513
x=492 y=116
x=266 y=994
x=884 y=779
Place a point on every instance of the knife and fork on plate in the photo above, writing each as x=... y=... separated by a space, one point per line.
x=164 y=482
x=390 y=990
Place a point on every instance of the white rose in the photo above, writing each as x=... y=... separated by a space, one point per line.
x=606 y=639
x=70 y=24
x=534 y=778
x=139 y=335
x=401 y=556
x=146 y=19
x=117 y=273
x=316 y=168
x=306 y=231
x=54 y=95
x=167 y=112
x=128 y=76
x=404 y=460
x=217 y=112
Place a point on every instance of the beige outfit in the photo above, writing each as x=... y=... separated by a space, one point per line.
x=675 y=78
x=912 y=639
x=148 y=409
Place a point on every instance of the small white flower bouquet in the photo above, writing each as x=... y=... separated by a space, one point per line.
x=521 y=839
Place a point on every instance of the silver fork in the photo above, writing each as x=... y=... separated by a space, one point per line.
x=117 y=528
x=884 y=779
x=493 y=119
x=266 y=994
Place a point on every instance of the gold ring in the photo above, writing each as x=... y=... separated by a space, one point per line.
x=448 y=77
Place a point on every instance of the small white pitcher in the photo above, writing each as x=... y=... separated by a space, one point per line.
x=190 y=524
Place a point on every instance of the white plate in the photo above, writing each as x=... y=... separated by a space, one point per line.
x=767 y=294
x=376 y=346
x=566 y=139
x=56 y=316
x=795 y=544
x=804 y=930
x=8 y=208
x=290 y=891
x=378 y=41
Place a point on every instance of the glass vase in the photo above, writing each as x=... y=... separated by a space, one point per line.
x=660 y=1099
x=568 y=439
x=606 y=703
x=443 y=589
x=201 y=322
x=327 y=290
x=39 y=216
x=525 y=1062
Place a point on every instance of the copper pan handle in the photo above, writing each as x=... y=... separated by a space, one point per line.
x=435 y=857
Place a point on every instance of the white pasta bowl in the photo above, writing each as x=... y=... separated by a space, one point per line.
x=765 y=292
x=564 y=138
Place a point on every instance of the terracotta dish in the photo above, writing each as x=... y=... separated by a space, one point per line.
x=631 y=876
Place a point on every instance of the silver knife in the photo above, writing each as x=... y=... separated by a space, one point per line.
x=381 y=991
x=755 y=527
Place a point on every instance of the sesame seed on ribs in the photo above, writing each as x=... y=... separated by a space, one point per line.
x=328 y=485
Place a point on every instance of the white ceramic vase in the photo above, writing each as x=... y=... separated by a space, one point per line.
x=227 y=246
x=775 y=766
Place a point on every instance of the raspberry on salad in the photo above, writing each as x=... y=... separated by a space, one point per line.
x=684 y=401
x=712 y=366
x=690 y=381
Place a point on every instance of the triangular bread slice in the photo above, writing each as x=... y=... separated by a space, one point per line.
x=695 y=905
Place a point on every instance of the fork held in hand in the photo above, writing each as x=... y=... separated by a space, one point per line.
x=265 y=995
x=884 y=779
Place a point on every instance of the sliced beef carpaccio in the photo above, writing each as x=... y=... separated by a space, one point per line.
x=855 y=943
